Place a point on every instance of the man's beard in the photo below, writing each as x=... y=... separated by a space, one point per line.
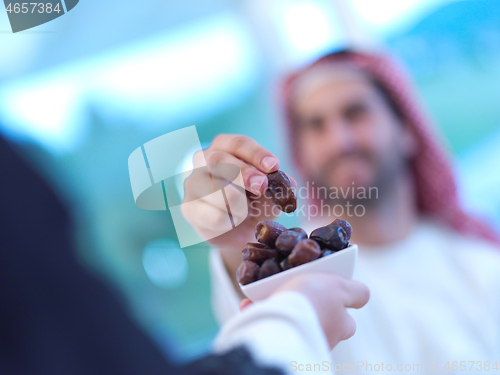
x=368 y=195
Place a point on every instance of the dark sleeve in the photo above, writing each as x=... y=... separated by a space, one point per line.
x=237 y=361
x=55 y=317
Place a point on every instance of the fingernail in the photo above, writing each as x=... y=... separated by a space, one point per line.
x=268 y=162
x=256 y=182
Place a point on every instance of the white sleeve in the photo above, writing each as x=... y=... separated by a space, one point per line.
x=225 y=300
x=282 y=331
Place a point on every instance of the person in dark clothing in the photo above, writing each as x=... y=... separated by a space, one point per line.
x=55 y=316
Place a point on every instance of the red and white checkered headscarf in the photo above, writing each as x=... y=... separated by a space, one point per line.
x=435 y=184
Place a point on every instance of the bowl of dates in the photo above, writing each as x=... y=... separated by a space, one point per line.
x=281 y=254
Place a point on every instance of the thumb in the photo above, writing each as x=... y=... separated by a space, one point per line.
x=245 y=303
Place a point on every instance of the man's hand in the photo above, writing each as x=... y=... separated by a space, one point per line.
x=330 y=296
x=255 y=162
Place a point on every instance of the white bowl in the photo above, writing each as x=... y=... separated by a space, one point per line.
x=340 y=263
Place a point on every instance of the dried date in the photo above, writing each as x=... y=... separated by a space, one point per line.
x=247 y=272
x=288 y=239
x=345 y=225
x=266 y=232
x=258 y=253
x=305 y=251
x=326 y=252
x=285 y=265
x=268 y=268
x=332 y=237
x=281 y=191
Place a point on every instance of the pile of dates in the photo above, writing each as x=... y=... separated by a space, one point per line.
x=279 y=249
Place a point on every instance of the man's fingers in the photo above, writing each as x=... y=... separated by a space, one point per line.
x=357 y=294
x=245 y=303
x=206 y=214
x=248 y=150
x=254 y=180
x=238 y=203
x=349 y=327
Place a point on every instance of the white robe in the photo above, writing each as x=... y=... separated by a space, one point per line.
x=282 y=331
x=435 y=298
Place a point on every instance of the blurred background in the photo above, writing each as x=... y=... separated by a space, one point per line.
x=79 y=94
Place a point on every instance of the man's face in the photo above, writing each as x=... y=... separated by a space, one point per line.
x=348 y=134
